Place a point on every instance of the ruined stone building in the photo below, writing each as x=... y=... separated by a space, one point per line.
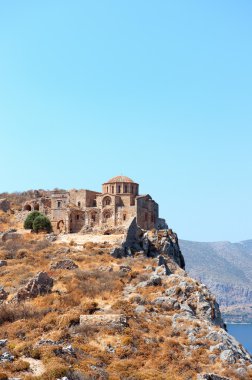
x=85 y=210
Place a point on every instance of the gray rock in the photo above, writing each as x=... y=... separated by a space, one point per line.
x=63 y=251
x=3 y=263
x=228 y=356
x=241 y=371
x=6 y=357
x=4 y=204
x=39 y=285
x=125 y=268
x=140 y=309
x=47 y=342
x=104 y=268
x=10 y=236
x=68 y=350
x=154 y=281
x=64 y=264
x=145 y=243
x=51 y=238
x=186 y=308
x=118 y=253
x=3 y=342
x=211 y=376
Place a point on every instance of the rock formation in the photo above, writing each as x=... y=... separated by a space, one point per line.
x=39 y=285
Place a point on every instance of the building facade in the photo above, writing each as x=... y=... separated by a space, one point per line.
x=84 y=210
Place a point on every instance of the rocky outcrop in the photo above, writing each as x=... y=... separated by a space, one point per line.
x=10 y=235
x=196 y=316
x=64 y=264
x=39 y=285
x=211 y=376
x=109 y=320
x=151 y=243
x=4 y=204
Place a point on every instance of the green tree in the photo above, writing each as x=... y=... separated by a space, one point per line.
x=41 y=223
x=28 y=223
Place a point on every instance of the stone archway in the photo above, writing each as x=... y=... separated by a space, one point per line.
x=107 y=214
x=27 y=207
x=36 y=207
x=106 y=201
x=61 y=226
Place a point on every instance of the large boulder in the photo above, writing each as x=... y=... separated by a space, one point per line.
x=4 y=204
x=64 y=264
x=107 y=320
x=39 y=285
x=211 y=376
x=10 y=235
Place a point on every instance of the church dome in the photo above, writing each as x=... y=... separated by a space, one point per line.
x=120 y=178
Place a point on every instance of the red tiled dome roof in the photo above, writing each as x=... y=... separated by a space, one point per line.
x=120 y=178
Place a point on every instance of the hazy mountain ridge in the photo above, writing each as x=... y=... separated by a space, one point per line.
x=226 y=268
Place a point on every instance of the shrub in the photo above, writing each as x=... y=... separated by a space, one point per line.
x=28 y=223
x=41 y=223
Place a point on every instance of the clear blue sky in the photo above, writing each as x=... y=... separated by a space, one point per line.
x=160 y=91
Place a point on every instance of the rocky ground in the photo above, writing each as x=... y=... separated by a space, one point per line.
x=73 y=310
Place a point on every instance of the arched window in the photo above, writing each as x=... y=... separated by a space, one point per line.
x=124 y=217
x=106 y=201
x=112 y=189
x=79 y=204
x=59 y=204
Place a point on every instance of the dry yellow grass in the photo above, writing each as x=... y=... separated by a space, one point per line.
x=147 y=349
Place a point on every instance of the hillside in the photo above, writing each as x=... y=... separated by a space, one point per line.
x=227 y=269
x=88 y=306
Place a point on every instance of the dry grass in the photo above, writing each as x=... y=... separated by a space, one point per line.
x=147 y=349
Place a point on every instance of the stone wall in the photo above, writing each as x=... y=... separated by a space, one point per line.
x=147 y=212
x=4 y=205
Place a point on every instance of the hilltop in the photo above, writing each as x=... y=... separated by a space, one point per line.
x=88 y=306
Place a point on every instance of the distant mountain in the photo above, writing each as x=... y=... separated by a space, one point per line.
x=226 y=268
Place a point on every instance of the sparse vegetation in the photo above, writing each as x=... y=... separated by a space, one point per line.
x=41 y=223
x=37 y=222
x=28 y=223
x=43 y=328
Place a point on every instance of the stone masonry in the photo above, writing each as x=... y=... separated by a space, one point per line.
x=86 y=210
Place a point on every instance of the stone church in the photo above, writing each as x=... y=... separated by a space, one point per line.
x=85 y=210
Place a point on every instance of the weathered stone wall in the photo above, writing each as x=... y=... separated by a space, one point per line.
x=147 y=212
x=60 y=212
x=77 y=219
x=4 y=205
x=83 y=198
x=78 y=210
